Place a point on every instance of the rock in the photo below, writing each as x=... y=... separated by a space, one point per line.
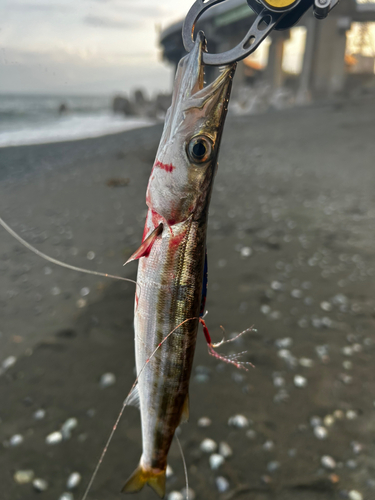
x=23 y=476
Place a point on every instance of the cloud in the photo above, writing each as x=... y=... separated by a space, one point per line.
x=108 y=22
x=37 y=7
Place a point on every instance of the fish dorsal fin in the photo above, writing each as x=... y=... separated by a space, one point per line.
x=145 y=249
x=133 y=398
x=185 y=411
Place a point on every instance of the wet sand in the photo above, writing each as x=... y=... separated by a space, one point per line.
x=291 y=251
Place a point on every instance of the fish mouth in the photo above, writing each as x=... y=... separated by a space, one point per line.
x=192 y=74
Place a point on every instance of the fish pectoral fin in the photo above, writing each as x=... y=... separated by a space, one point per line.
x=155 y=478
x=133 y=398
x=145 y=249
x=185 y=411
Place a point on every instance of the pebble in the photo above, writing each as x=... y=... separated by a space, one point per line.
x=239 y=421
x=216 y=461
x=306 y=362
x=40 y=484
x=355 y=495
x=329 y=420
x=268 y=445
x=208 y=446
x=296 y=294
x=315 y=421
x=68 y=426
x=326 y=306
x=8 y=362
x=73 y=480
x=251 y=434
x=84 y=291
x=300 y=381
x=273 y=466
x=107 y=379
x=175 y=495
x=204 y=422
x=81 y=303
x=351 y=415
x=54 y=438
x=23 y=476
x=225 y=450
x=246 y=252
x=222 y=484
x=265 y=309
x=66 y=496
x=189 y=494
x=328 y=462
x=169 y=472
x=320 y=432
x=16 y=440
x=39 y=414
x=91 y=255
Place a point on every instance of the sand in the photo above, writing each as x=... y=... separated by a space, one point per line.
x=291 y=251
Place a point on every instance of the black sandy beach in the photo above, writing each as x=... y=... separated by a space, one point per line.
x=291 y=250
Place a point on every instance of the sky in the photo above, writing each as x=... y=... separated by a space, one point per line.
x=85 y=46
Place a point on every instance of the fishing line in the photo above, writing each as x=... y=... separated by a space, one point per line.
x=185 y=468
x=58 y=262
x=124 y=405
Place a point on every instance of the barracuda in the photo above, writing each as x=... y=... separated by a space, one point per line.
x=172 y=260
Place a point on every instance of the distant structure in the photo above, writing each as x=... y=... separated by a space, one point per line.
x=324 y=68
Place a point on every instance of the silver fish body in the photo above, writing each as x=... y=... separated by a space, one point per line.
x=172 y=258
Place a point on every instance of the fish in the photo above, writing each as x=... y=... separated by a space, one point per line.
x=172 y=259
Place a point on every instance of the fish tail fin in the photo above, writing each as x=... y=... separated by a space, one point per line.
x=155 y=478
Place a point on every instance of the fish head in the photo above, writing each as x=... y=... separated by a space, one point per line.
x=182 y=177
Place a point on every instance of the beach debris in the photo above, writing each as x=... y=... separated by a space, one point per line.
x=16 y=440
x=320 y=432
x=23 y=476
x=216 y=461
x=73 y=480
x=328 y=462
x=39 y=414
x=54 y=438
x=208 y=445
x=68 y=426
x=107 y=379
x=225 y=450
x=222 y=484
x=300 y=381
x=204 y=422
x=40 y=484
x=239 y=421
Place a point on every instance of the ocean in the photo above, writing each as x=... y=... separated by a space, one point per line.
x=38 y=119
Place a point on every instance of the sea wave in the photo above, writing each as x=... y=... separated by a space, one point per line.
x=69 y=127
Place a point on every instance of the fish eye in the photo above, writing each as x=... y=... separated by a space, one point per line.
x=199 y=149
